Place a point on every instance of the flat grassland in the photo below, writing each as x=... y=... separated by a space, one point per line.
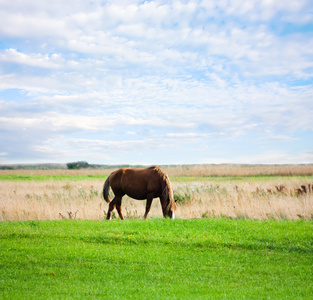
x=156 y=259
x=203 y=191
x=243 y=232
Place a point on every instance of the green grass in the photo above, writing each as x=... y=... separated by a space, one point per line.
x=156 y=259
x=36 y=177
x=60 y=177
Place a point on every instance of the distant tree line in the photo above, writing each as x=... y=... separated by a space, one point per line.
x=70 y=166
x=78 y=165
x=32 y=167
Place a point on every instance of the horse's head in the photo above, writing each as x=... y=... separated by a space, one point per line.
x=169 y=205
x=171 y=210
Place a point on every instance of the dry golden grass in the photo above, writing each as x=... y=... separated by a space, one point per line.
x=238 y=170
x=245 y=200
x=51 y=200
x=203 y=197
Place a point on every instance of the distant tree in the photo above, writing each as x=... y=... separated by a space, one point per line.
x=6 y=168
x=77 y=165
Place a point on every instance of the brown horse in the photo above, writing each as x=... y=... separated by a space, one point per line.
x=140 y=184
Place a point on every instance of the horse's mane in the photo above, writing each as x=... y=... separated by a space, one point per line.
x=167 y=192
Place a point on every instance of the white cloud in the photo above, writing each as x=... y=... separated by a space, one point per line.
x=134 y=38
x=155 y=72
x=18 y=25
x=53 y=61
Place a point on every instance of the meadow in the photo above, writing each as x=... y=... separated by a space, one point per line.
x=156 y=259
x=202 y=191
x=241 y=232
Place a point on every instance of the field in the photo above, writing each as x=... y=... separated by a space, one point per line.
x=156 y=259
x=241 y=232
x=208 y=191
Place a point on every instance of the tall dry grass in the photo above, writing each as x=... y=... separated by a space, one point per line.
x=245 y=200
x=49 y=200
x=238 y=170
x=201 y=198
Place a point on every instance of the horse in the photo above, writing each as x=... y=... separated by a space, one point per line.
x=140 y=184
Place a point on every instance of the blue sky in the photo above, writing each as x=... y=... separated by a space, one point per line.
x=156 y=82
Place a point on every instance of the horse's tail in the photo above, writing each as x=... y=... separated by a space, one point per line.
x=106 y=189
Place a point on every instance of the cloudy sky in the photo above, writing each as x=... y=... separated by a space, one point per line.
x=156 y=82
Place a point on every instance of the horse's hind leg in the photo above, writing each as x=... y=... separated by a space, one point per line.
x=115 y=203
x=111 y=207
x=119 y=208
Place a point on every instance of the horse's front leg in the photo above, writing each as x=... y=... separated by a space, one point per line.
x=148 y=206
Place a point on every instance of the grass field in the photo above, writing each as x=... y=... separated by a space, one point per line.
x=206 y=191
x=242 y=232
x=156 y=259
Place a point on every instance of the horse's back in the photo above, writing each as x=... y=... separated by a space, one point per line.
x=136 y=183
